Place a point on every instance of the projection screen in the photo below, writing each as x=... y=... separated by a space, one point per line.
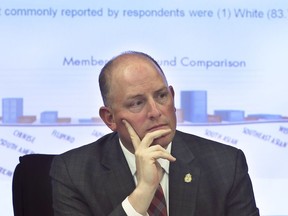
x=227 y=61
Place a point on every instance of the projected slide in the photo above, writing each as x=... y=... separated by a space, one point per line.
x=227 y=62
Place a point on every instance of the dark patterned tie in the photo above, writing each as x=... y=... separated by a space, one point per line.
x=158 y=204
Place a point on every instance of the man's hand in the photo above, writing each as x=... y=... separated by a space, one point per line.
x=149 y=172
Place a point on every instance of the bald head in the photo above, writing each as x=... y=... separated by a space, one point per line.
x=118 y=64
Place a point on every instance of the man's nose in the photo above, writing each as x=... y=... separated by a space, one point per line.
x=153 y=109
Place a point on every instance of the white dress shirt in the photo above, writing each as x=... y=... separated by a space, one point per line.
x=164 y=182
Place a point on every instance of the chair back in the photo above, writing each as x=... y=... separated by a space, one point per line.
x=31 y=187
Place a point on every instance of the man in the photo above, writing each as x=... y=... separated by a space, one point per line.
x=120 y=173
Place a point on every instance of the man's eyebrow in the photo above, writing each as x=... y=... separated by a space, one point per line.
x=131 y=97
x=164 y=88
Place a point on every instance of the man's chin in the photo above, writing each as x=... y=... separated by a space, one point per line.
x=162 y=142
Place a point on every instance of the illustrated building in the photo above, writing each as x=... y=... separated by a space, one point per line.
x=49 y=117
x=194 y=106
x=12 y=109
x=230 y=115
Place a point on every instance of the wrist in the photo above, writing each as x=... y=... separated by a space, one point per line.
x=143 y=193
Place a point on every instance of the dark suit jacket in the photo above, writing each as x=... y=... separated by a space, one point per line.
x=95 y=179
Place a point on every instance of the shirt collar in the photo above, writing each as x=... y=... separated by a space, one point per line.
x=130 y=158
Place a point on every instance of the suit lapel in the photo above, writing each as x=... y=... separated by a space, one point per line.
x=182 y=191
x=119 y=182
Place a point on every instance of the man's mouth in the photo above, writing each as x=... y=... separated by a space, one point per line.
x=157 y=127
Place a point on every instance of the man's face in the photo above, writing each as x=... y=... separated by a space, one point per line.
x=140 y=95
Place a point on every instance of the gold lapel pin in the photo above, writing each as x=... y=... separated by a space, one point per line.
x=188 y=178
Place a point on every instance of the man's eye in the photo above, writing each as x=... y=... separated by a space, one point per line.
x=162 y=97
x=136 y=106
x=136 y=103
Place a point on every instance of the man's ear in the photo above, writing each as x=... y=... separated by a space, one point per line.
x=107 y=116
x=173 y=94
x=172 y=90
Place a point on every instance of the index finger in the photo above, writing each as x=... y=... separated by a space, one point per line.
x=150 y=137
x=133 y=135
